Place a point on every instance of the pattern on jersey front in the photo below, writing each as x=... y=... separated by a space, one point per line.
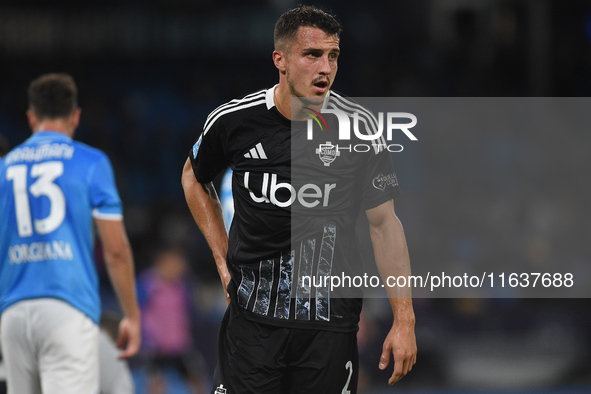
x=246 y=286
x=274 y=291
x=284 y=287
x=303 y=289
x=324 y=270
x=263 y=298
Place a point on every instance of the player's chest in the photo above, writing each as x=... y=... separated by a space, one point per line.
x=290 y=152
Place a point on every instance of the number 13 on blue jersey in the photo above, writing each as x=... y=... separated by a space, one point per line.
x=45 y=174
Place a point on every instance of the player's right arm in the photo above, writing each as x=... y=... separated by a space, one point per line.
x=206 y=209
x=392 y=260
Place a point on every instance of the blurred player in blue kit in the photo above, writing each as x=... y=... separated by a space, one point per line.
x=52 y=191
x=280 y=336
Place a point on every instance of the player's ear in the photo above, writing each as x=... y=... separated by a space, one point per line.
x=33 y=120
x=280 y=60
x=75 y=117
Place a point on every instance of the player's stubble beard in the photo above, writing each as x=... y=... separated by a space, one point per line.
x=307 y=101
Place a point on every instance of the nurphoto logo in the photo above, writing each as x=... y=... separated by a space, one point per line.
x=372 y=131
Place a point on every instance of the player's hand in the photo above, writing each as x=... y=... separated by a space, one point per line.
x=225 y=284
x=225 y=277
x=129 y=338
x=400 y=342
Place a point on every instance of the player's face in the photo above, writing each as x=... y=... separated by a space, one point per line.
x=311 y=65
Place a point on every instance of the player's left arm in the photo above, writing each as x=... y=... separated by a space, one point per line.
x=120 y=267
x=392 y=259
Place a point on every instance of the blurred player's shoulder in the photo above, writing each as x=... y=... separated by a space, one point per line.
x=236 y=108
x=89 y=151
x=52 y=145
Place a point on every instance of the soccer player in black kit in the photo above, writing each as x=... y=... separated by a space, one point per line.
x=279 y=335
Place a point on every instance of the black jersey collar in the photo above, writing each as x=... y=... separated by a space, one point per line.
x=270 y=98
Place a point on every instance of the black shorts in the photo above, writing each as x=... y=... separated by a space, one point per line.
x=255 y=358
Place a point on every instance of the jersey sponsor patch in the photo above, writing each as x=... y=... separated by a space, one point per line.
x=382 y=181
x=221 y=390
x=327 y=153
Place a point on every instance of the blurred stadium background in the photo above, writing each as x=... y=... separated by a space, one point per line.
x=150 y=71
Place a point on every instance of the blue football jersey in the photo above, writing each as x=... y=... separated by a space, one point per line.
x=51 y=187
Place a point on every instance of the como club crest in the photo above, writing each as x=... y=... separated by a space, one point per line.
x=327 y=153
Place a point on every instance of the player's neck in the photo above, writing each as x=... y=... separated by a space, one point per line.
x=57 y=125
x=282 y=100
x=285 y=104
x=54 y=125
x=65 y=125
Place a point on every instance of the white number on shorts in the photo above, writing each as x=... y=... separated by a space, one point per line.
x=348 y=366
x=44 y=186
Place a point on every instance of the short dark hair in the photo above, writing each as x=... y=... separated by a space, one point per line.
x=288 y=24
x=53 y=96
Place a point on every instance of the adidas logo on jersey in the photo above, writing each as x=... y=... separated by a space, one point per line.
x=256 y=153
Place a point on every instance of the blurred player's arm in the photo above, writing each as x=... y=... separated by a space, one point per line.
x=206 y=209
x=392 y=259
x=119 y=262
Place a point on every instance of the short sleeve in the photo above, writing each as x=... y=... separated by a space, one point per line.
x=104 y=197
x=380 y=183
x=207 y=155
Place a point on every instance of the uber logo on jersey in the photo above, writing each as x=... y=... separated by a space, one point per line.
x=382 y=181
x=284 y=194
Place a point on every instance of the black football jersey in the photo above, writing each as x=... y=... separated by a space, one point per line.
x=297 y=193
